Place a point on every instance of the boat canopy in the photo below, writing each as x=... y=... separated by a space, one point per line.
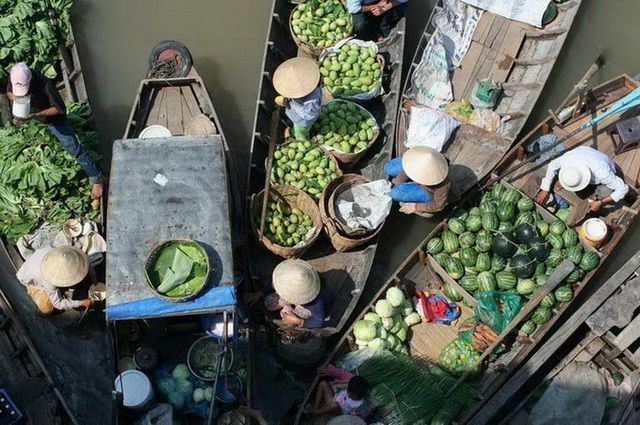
x=161 y=189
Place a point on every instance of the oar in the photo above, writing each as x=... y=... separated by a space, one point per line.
x=554 y=280
x=273 y=133
x=629 y=101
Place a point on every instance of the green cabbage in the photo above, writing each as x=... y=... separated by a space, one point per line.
x=361 y=343
x=395 y=296
x=198 y=395
x=402 y=334
x=365 y=330
x=397 y=324
x=388 y=323
x=372 y=317
x=412 y=319
x=407 y=308
x=384 y=308
x=208 y=393
x=181 y=372
x=377 y=344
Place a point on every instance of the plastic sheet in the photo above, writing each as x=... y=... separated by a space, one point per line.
x=429 y=127
x=497 y=309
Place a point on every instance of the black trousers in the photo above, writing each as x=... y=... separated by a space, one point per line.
x=367 y=26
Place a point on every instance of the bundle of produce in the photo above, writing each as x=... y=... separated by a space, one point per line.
x=181 y=390
x=39 y=181
x=413 y=390
x=387 y=325
x=320 y=23
x=286 y=226
x=27 y=34
x=305 y=166
x=345 y=127
x=458 y=357
x=352 y=70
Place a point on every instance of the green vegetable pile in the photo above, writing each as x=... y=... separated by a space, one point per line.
x=285 y=226
x=387 y=326
x=303 y=165
x=457 y=357
x=28 y=35
x=352 y=70
x=178 y=389
x=39 y=181
x=321 y=23
x=344 y=126
x=179 y=270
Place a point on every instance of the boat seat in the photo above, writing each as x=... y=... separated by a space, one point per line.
x=629 y=132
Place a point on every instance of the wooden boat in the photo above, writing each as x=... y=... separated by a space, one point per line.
x=420 y=270
x=517 y=56
x=346 y=272
x=602 y=333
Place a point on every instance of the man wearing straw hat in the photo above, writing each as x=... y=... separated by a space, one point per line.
x=422 y=182
x=50 y=271
x=296 y=81
x=297 y=295
x=581 y=167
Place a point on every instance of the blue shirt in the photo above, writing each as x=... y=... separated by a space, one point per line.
x=316 y=308
x=355 y=6
x=305 y=110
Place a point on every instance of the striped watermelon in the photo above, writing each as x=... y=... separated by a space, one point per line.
x=506 y=280
x=570 y=238
x=541 y=268
x=563 y=294
x=505 y=226
x=525 y=286
x=589 y=261
x=543 y=228
x=574 y=276
x=486 y=282
x=541 y=315
x=548 y=301
x=470 y=271
x=450 y=241
x=454 y=268
x=469 y=283
x=540 y=279
x=525 y=217
x=510 y=195
x=456 y=225
x=497 y=190
x=506 y=212
x=489 y=221
x=489 y=206
x=451 y=292
x=557 y=227
x=434 y=246
x=462 y=214
x=526 y=204
x=498 y=263
x=483 y=241
x=473 y=223
x=442 y=259
x=555 y=241
x=467 y=239
x=468 y=256
x=475 y=212
x=528 y=327
x=486 y=196
x=554 y=258
x=574 y=254
x=483 y=262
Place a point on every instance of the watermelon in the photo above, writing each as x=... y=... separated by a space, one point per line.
x=589 y=261
x=486 y=282
x=563 y=294
x=510 y=195
x=548 y=301
x=539 y=248
x=506 y=280
x=469 y=283
x=456 y=225
x=473 y=223
x=555 y=241
x=522 y=266
x=554 y=258
x=525 y=232
x=488 y=205
x=570 y=238
x=435 y=246
x=467 y=239
x=541 y=268
x=540 y=279
x=574 y=276
x=454 y=268
x=498 y=263
x=525 y=217
x=486 y=197
x=442 y=259
x=468 y=256
x=489 y=221
x=483 y=241
x=541 y=315
x=526 y=204
x=483 y=262
x=462 y=214
x=506 y=212
x=497 y=190
x=543 y=228
x=557 y=227
x=504 y=245
x=574 y=254
x=450 y=241
x=475 y=212
x=528 y=327
x=505 y=226
x=471 y=271
x=451 y=292
x=525 y=286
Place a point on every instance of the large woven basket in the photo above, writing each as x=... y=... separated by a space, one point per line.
x=294 y=198
x=341 y=240
x=327 y=93
x=351 y=158
x=311 y=51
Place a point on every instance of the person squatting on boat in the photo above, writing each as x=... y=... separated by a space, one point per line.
x=422 y=182
x=582 y=167
x=48 y=108
x=340 y=392
x=296 y=81
x=374 y=19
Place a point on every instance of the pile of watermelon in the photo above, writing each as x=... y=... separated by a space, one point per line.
x=504 y=244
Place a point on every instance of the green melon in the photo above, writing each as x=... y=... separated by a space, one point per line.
x=506 y=280
x=570 y=238
x=539 y=248
x=541 y=268
x=526 y=204
x=467 y=239
x=506 y=212
x=555 y=241
x=510 y=195
x=454 y=268
x=548 y=301
x=471 y=271
x=456 y=225
x=557 y=227
x=528 y=327
x=543 y=228
x=497 y=190
x=505 y=226
x=504 y=245
x=450 y=241
x=473 y=223
x=483 y=241
x=498 y=263
x=525 y=232
x=434 y=246
x=522 y=266
x=483 y=262
x=563 y=294
x=554 y=258
x=574 y=254
x=469 y=283
x=589 y=261
x=475 y=212
x=486 y=282
x=574 y=276
x=462 y=214
x=442 y=258
x=489 y=221
x=540 y=279
x=468 y=256
x=541 y=315
x=451 y=292
x=525 y=286
x=489 y=207
x=525 y=217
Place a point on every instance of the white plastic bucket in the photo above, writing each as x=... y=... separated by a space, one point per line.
x=154 y=131
x=21 y=106
x=594 y=231
x=135 y=388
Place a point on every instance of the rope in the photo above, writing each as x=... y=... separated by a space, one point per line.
x=166 y=68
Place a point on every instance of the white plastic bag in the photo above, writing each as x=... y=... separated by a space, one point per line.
x=429 y=127
x=365 y=206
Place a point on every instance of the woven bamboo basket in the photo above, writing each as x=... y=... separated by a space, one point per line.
x=352 y=158
x=328 y=94
x=200 y=125
x=294 y=198
x=310 y=50
x=341 y=240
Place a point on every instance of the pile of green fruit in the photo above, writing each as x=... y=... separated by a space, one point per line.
x=305 y=166
x=351 y=70
x=387 y=325
x=504 y=244
x=321 y=23
x=458 y=357
x=285 y=226
x=344 y=126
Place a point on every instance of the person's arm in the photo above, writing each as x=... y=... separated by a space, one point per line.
x=49 y=112
x=332 y=407
x=547 y=181
x=400 y=178
x=619 y=191
x=337 y=373
x=63 y=303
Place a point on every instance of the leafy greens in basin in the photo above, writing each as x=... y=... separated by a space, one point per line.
x=179 y=270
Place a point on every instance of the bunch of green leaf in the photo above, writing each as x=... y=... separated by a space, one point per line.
x=414 y=390
x=179 y=270
x=28 y=33
x=39 y=181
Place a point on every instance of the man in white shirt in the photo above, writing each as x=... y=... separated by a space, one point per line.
x=581 y=167
x=374 y=19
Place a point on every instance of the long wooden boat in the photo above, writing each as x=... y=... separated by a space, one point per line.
x=420 y=270
x=517 y=56
x=344 y=273
x=602 y=333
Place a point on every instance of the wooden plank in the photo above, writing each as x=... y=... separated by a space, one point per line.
x=153 y=117
x=629 y=335
x=174 y=111
x=482 y=29
x=186 y=113
x=461 y=75
x=618 y=310
x=192 y=103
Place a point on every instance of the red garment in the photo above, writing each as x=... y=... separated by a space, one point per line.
x=340 y=376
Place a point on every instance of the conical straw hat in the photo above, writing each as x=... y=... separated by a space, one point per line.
x=296 y=78
x=425 y=165
x=200 y=125
x=64 y=266
x=346 y=420
x=296 y=281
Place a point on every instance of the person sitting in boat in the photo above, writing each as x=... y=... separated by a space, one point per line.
x=581 y=167
x=374 y=19
x=48 y=272
x=296 y=81
x=48 y=108
x=340 y=392
x=421 y=181
x=297 y=295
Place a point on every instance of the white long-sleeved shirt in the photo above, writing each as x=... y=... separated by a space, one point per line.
x=29 y=275
x=603 y=170
x=355 y=6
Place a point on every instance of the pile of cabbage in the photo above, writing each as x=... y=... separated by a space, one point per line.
x=181 y=390
x=387 y=325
